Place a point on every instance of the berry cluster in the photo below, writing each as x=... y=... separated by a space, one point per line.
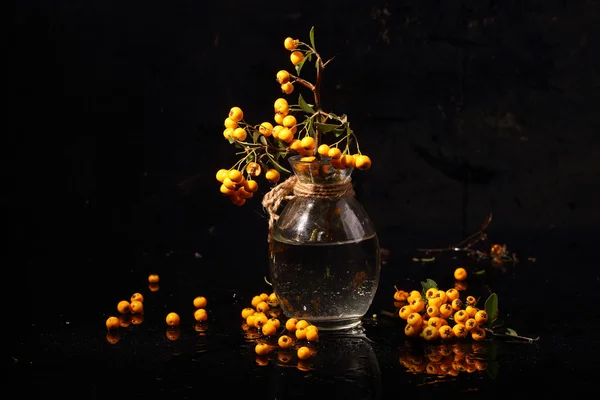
x=264 y=145
x=440 y=314
x=262 y=322
x=446 y=360
x=131 y=312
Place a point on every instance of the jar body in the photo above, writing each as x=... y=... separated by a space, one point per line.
x=324 y=260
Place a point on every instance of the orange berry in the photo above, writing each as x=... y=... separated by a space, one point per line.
x=452 y=294
x=276 y=323
x=281 y=106
x=278 y=118
x=248 y=311
x=239 y=134
x=312 y=335
x=430 y=333
x=283 y=77
x=304 y=353
x=308 y=143
x=471 y=301
x=478 y=334
x=471 y=324
x=290 y=324
x=235 y=176
x=300 y=333
x=266 y=129
x=481 y=317
x=153 y=278
x=173 y=319
x=113 y=323
x=251 y=186
x=446 y=332
x=226 y=191
x=228 y=133
x=137 y=307
x=276 y=130
x=362 y=162
x=334 y=153
x=229 y=123
x=290 y=43
x=200 y=302
x=253 y=169
x=137 y=297
x=272 y=175
x=262 y=349
x=414 y=319
x=269 y=329
x=289 y=121
x=285 y=135
x=221 y=174
x=417 y=305
x=348 y=161
x=296 y=57
x=262 y=307
x=323 y=150
x=302 y=324
x=411 y=330
x=200 y=315
x=460 y=274
x=260 y=319
x=287 y=88
x=255 y=300
x=285 y=341
x=123 y=307
x=236 y=114
x=405 y=311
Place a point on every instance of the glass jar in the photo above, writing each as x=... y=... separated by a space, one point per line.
x=324 y=252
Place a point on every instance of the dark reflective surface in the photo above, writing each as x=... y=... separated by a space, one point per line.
x=70 y=353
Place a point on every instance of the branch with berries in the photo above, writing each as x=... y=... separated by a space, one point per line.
x=298 y=129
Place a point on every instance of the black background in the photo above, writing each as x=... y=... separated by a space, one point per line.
x=466 y=107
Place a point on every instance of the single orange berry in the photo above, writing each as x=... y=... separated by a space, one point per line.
x=430 y=333
x=460 y=274
x=275 y=322
x=362 y=162
x=471 y=310
x=412 y=330
x=260 y=319
x=251 y=186
x=289 y=121
x=302 y=324
x=414 y=319
x=471 y=301
x=478 y=334
x=312 y=335
x=452 y=294
x=262 y=307
x=285 y=135
x=290 y=43
x=287 y=88
x=228 y=133
x=221 y=174
x=323 y=150
x=496 y=250
x=446 y=332
x=229 y=123
x=137 y=297
x=262 y=349
x=226 y=191
x=248 y=311
x=123 y=307
x=266 y=129
x=461 y=316
x=137 y=307
x=281 y=106
x=457 y=304
x=200 y=315
x=278 y=118
x=269 y=329
x=253 y=169
x=255 y=300
x=481 y=317
x=283 y=77
x=460 y=330
x=272 y=175
x=153 y=278
x=308 y=143
x=348 y=161
x=304 y=353
x=290 y=324
x=334 y=153
x=200 y=302
x=285 y=341
x=471 y=324
x=446 y=310
x=239 y=134
x=113 y=323
x=236 y=114
x=405 y=311
x=417 y=305
x=296 y=57
x=300 y=333
x=173 y=319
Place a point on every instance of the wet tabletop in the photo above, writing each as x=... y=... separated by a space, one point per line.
x=69 y=352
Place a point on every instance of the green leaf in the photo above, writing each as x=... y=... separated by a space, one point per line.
x=491 y=308
x=511 y=332
x=311 y=35
x=255 y=136
x=324 y=128
x=480 y=272
x=304 y=105
x=299 y=65
x=276 y=165
x=263 y=140
x=428 y=284
x=230 y=139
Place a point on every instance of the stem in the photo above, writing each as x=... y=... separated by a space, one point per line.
x=528 y=339
x=317 y=95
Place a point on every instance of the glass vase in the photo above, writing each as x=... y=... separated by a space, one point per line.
x=325 y=259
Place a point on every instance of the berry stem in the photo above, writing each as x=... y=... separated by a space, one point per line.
x=505 y=335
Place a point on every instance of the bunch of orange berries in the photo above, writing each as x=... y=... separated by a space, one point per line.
x=262 y=322
x=446 y=360
x=440 y=314
x=268 y=142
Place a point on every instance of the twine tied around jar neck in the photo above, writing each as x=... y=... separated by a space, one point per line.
x=273 y=199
